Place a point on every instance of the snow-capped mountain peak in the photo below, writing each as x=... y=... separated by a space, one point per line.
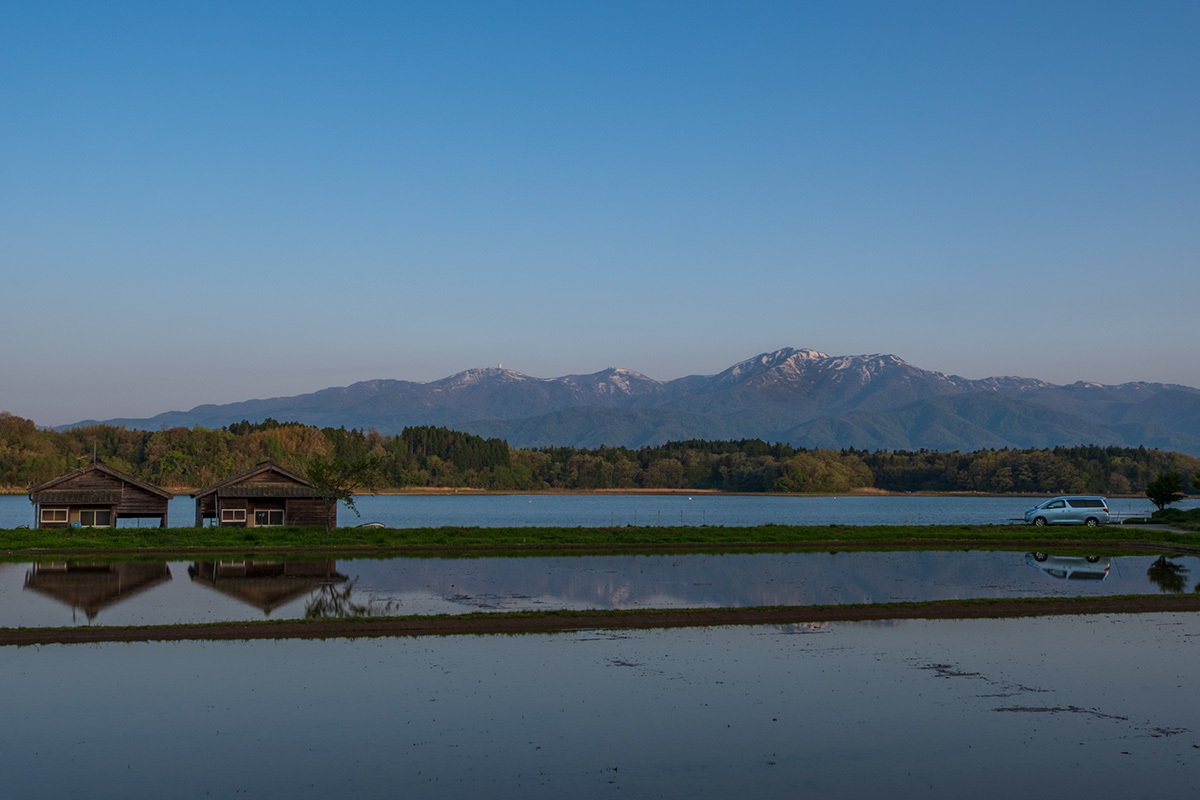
x=796 y=395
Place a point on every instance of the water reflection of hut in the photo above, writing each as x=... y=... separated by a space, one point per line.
x=266 y=585
x=92 y=588
x=96 y=496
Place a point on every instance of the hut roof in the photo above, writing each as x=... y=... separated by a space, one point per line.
x=291 y=485
x=78 y=497
x=65 y=494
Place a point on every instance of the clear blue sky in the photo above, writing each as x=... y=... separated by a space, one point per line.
x=209 y=201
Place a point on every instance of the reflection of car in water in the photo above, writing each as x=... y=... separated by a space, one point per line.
x=1090 y=511
x=1070 y=568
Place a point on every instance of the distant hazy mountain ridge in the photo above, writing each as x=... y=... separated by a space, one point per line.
x=802 y=397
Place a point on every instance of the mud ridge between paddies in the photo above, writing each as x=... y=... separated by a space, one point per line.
x=572 y=621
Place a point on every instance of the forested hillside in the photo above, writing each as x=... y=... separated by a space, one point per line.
x=428 y=456
x=800 y=397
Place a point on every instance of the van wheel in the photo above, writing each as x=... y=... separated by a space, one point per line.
x=1092 y=522
x=1040 y=556
x=1093 y=559
x=1039 y=521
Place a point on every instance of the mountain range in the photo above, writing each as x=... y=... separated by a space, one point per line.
x=801 y=397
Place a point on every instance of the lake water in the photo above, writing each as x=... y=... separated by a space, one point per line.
x=1097 y=707
x=83 y=592
x=413 y=511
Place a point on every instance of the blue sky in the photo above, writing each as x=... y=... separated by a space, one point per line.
x=210 y=202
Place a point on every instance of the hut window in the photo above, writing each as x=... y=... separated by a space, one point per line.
x=233 y=515
x=95 y=519
x=54 y=515
x=269 y=517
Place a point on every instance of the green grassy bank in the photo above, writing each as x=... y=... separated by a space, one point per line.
x=183 y=540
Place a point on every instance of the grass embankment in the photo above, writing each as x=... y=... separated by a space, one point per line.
x=1188 y=520
x=185 y=540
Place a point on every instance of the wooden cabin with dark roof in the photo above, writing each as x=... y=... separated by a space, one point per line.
x=266 y=495
x=96 y=496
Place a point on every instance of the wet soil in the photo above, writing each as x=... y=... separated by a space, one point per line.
x=603 y=620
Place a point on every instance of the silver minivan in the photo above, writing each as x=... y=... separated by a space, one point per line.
x=1090 y=511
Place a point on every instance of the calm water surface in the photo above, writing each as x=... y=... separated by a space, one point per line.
x=406 y=511
x=80 y=592
x=1095 y=707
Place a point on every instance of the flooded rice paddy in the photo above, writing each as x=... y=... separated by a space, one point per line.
x=1099 y=707
x=82 y=592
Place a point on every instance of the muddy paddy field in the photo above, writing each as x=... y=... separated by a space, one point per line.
x=1096 y=705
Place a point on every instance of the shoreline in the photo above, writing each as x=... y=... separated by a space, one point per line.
x=467 y=491
x=567 y=622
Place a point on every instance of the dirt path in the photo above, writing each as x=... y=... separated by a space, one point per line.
x=609 y=620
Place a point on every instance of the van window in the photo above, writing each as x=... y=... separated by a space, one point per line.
x=1085 y=502
x=1056 y=504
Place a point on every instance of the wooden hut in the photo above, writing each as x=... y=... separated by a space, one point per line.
x=266 y=495
x=96 y=496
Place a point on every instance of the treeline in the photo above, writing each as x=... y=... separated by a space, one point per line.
x=1075 y=470
x=437 y=457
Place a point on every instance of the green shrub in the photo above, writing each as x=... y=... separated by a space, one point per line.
x=1188 y=520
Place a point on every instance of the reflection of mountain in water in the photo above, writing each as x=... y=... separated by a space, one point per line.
x=93 y=587
x=266 y=585
x=729 y=580
x=694 y=580
x=684 y=581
